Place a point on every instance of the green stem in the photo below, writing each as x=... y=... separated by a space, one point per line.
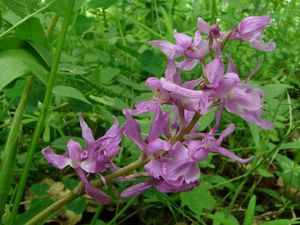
x=121 y=211
x=44 y=111
x=96 y=215
x=9 y=153
x=80 y=191
x=51 y=27
x=187 y=129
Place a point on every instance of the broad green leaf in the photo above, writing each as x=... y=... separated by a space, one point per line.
x=291 y=145
x=70 y=92
x=290 y=171
x=83 y=24
x=36 y=206
x=216 y=179
x=16 y=63
x=220 y=218
x=39 y=188
x=197 y=199
x=274 y=90
x=107 y=74
x=59 y=7
x=61 y=143
x=21 y=7
x=281 y=222
x=77 y=206
x=152 y=63
x=250 y=211
x=206 y=119
x=11 y=43
x=124 y=80
x=264 y=172
x=115 y=103
x=43 y=52
x=70 y=183
x=94 y=4
x=31 y=30
x=107 y=115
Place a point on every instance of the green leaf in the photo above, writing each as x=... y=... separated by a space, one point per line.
x=206 y=119
x=216 y=179
x=250 y=211
x=39 y=188
x=107 y=74
x=281 y=222
x=59 y=7
x=31 y=30
x=11 y=43
x=197 y=199
x=255 y=132
x=152 y=63
x=21 y=7
x=271 y=193
x=70 y=183
x=291 y=145
x=274 y=90
x=42 y=52
x=124 y=80
x=36 y=206
x=94 y=4
x=290 y=171
x=77 y=206
x=70 y=92
x=61 y=143
x=83 y=24
x=16 y=63
x=114 y=103
x=220 y=217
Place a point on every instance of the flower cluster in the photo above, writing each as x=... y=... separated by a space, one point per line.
x=173 y=147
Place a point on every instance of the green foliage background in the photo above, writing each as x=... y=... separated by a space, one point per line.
x=105 y=60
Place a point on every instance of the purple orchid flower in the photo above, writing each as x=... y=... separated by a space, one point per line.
x=173 y=171
x=160 y=126
x=176 y=169
x=181 y=95
x=238 y=97
x=94 y=160
x=193 y=51
x=198 y=150
x=249 y=29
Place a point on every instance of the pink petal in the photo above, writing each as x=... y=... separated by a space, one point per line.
x=75 y=153
x=203 y=26
x=176 y=89
x=91 y=190
x=182 y=40
x=136 y=189
x=86 y=132
x=170 y=50
x=231 y=155
x=58 y=161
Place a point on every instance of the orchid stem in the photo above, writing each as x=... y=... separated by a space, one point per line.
x=186 y=130
x=79 y=190
x=10 y=151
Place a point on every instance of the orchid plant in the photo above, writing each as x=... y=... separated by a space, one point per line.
x=173 y=148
